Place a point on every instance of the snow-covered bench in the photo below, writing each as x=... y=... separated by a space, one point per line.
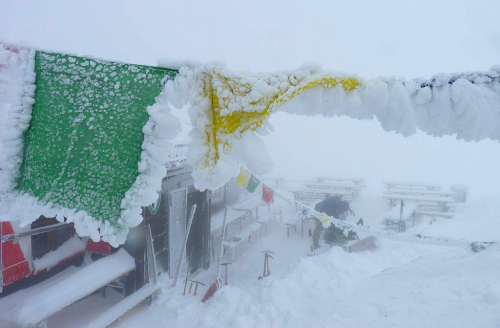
x=233 y=218
x=264 y=218
x=247 y=233
x=333 y=185
x=420 y=192
x=291 y=223
x=416 y=185
x=307 y=196
x=38 y=307
x=115 y=312
x=393 y=218
x=355 y=180
x=249 y=205
x=435 y=214
x=423 y=201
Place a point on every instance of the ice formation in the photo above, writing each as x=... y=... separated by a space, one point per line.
x=82 y=106
x=228 y=109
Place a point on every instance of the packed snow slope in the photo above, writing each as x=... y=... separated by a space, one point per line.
x=399 y=284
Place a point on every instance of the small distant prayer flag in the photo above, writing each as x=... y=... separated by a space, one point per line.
x=267 y=194
x=243 y=177
x=252 y=184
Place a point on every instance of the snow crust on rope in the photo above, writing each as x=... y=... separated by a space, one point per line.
x=229 y=109
x=17 y=91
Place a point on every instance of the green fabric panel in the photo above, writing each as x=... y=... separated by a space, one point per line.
x=84 y=141
x=253 y=182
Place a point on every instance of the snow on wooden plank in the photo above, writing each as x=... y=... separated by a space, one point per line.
x=72 y=246
x=354 y=179
x=272 y=213
x=333 y=185
x=410 y=184
x=322 y=192
x=409 y=191
x=433 y=213
x=115 y=312
x=421 y=198
x=232 y=215
x=73 y=288
x=249 y=204
x=395 y=212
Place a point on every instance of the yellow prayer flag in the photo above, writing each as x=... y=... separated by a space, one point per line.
x=243 y=177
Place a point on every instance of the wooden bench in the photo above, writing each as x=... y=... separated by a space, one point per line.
x=333 y=185
x=420 y=192
x=38 y=307
x=416 y=185
x=264 y=218
x=116 y=311
x=249 y=205
x=252 y=228
x=308 y=196
x=292 y=224
x=233 y=218
x=436 y=214
x=399 y=224
x=340 y=179
x=422 y=201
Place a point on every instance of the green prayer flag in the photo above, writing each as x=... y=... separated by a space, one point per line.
x=83 y=145
x=253 y=182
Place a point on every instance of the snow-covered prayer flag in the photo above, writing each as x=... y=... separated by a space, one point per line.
x=231 y=109
x=267 y=194
x=89 y=145
x=253 y=183
x=242 y=177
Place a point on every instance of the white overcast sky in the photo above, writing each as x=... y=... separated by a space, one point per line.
x=370 y=38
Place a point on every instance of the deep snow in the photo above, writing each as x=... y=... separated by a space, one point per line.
x=402 y=283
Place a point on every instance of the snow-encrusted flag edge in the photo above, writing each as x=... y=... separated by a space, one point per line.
x=17 y=76
x=466 y=105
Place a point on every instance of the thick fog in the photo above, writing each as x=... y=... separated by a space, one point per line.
x=388 y=38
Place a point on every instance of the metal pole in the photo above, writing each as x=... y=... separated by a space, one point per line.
x=222 y=240
x=151 y=256
x=37 y=231
x=193 y=209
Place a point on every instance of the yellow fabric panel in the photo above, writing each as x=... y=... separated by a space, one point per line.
x=237 y=122
x=243 y=177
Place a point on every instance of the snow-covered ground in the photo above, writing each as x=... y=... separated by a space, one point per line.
x=399 y=284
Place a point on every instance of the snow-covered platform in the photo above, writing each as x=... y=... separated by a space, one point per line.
x=355 y=180
x=419 y=192
x=42 y=303
x=416 y=185
x=334 y=185
x=115 y=312
x=443 y=202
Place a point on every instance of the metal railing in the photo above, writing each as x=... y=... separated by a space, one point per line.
x=37 y=231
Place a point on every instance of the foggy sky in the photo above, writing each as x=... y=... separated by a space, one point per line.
x=368 y=38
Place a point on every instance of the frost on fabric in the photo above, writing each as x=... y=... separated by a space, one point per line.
x=96 y=146
x=17 y=93
x=228 y=109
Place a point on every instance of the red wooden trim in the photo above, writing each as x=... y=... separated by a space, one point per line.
x=100 y=247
